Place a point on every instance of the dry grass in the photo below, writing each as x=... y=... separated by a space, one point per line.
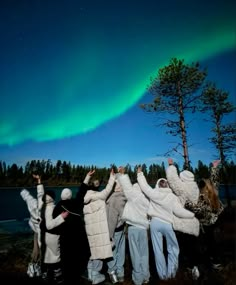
x=15 y=250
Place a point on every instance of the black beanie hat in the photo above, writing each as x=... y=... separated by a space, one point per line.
x=50 y=193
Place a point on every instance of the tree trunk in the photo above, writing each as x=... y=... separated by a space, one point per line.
x=183 y=130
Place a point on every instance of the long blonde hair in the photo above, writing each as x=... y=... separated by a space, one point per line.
x=207 y=188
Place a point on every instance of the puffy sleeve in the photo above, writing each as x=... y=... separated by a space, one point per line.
x=127 y=187
x=175 y=183
x=179 y=210
x=145 y=187
x=31 y=203
x=50 y=222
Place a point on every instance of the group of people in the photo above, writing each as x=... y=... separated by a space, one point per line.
x=88 y=233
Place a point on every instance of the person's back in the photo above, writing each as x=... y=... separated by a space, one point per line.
x=34 y=207
x=74 y=247
x=136 y=207
x=163 y=202
x=208 y=209
x=183 y=185
x=50 y=249
x=97 y=230
x=187 y=231
x=115 y=206
x=135 y=216
x=163 y=206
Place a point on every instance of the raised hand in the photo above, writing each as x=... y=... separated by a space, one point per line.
x=215 y=163
x=64 y=214
x=36 y=176
x=170 y=161
x=139 y=169
x=91 y=172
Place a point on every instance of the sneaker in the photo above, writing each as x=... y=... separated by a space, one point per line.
x=34 y=269
x=217 y=266
x=30 y=270
x=98 y=278
x=195 y=273
x=37 y=269
x=113 y=277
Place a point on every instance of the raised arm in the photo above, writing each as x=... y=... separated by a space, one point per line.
x=31 y=203
x=145 y=187
x=174 y=181
x=84 y=187
x=102 y=194
x=88 y=176
x=127 y=187
x=40 y=190
x=180 y=211
x=105 y=193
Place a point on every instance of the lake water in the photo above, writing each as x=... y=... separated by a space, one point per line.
x=14 y=213
x=12 y=206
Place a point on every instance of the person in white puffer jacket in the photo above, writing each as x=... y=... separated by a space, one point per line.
x=186 y=188
x=183 y=185
x=50 y=240
x=163 y=206
x=96 y=225
x=135 y=216
x=34 y=206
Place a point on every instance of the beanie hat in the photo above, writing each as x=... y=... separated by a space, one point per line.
x=96 y=183
x=49 y=193
x=66 y=194
x=186 y=176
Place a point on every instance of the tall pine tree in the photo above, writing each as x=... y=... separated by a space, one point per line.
x=176 y=93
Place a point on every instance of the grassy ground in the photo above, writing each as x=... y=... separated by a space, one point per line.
x=15 y=250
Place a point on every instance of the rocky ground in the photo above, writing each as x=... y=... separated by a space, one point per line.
x=15 y=249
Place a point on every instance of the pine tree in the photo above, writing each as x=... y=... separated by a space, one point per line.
x=216 y=104
x=175 y=90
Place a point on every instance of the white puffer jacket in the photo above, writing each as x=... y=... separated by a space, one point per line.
x=184 y=189
x=52 y=252
x=136 y=207
x=34 y=206
x=96 y=224
x=163 y=203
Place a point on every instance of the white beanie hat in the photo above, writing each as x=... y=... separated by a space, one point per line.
x=66 y=194
x=186 y=176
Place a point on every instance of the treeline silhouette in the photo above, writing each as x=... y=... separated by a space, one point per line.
x=63 y=173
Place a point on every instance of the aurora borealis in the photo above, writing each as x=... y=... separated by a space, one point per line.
x=69 y=67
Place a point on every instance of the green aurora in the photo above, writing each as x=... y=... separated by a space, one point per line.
x=53 y=93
